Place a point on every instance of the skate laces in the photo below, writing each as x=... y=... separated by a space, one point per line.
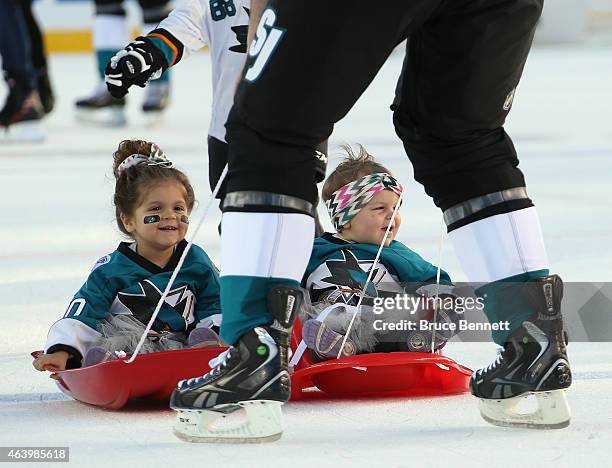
x=494 y=364
x=220 y=359
x=215 y=364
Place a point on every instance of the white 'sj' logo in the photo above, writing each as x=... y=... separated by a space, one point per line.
x=509 y=99
x=266 y=40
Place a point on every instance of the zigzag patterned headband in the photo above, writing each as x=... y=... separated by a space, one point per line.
x=349 y=199
x=157 y=158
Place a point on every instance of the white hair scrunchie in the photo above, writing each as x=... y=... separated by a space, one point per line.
x=156 y=158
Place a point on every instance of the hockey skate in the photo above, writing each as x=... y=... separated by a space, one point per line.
x=239 y=400
x=533 y=364
x=156 y=101
x=21 y=116
x=101 y=108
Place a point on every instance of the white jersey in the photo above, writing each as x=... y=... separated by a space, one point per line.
x=222 y=25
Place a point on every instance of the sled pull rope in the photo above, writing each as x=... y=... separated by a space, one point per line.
x=362 y=294
x=439 y=262
x=176 y=271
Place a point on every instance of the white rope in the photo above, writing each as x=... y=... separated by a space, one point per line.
x=372 y=269
x=435 y=316
x=176 y=271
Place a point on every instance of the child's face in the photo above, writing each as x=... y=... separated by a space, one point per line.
x=168 y=201
x=370 y=224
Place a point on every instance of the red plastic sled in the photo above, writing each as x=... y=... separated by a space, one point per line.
x=376 y=374
x=151 y=376
x=154 y=376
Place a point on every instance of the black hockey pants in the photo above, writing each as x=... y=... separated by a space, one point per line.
x=312 y=59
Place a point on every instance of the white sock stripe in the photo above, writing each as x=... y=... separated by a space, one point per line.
x=501 y=246
x=268 y=245
x=110 y=32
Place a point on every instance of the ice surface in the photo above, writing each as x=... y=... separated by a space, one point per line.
x=58 y=219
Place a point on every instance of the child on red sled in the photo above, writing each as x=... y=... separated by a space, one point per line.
x=361 y=196
x=108 y=315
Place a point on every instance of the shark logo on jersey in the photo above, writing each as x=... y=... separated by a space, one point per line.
x=142 y=305
x=347 y=271
x=266 y=40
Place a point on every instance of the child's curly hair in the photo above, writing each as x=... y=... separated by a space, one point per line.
x=353 y=167
x=132 y=183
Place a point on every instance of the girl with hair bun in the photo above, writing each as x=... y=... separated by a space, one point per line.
x=109 y=313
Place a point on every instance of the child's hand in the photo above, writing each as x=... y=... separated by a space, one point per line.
x=51 y=362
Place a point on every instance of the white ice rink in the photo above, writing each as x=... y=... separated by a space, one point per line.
x=57 y=219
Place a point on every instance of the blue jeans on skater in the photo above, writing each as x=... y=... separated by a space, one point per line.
x=15 y=47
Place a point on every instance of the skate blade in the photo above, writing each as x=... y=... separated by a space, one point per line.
x=109 y=117
x=261 y=421
x=23 y=132
x=552 y=411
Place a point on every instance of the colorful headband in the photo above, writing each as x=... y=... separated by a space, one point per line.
x=156 y=158
x=349 y=199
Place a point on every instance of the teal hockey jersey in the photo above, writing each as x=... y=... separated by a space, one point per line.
x=338 y=269
x=124 y=282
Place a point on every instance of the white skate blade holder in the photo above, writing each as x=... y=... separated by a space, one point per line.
x=551 y=411
x=228 y=424
x=31 y=131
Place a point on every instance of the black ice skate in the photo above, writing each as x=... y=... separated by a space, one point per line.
x=21 y=116
x=101 y=108
x=533 y=362
x=252 y=375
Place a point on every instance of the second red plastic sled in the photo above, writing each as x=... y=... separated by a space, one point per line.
x=376 y=374
x=153 y=376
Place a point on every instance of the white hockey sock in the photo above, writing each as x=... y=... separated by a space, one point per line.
x=110 y=32
x=268 y=245
x=501 y=246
